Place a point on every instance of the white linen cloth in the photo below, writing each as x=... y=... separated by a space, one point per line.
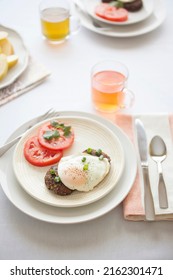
x=160 y=125
x=34 y=74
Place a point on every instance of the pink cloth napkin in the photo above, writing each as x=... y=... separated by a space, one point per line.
x=133 y=204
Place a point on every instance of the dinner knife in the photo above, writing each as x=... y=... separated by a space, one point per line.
x=143 y=152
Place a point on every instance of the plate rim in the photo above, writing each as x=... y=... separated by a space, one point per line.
x=79 y=203
x=125 y=23
x=158 y=20
x=49 y=214
x=25 y=63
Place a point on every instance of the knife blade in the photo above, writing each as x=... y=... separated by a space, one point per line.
x=143 y=152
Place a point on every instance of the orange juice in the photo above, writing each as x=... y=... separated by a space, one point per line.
x=107 y=90
x=55 y=23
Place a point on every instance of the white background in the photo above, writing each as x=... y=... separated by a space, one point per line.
x=149 y=59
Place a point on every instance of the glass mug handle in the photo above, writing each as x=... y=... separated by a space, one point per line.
x=75 y=25
x=127 y=99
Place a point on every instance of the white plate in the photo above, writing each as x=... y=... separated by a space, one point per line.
x=143 y=27
x=60 y=215
x=133 y=17
x=20 y=51
x=88 y=133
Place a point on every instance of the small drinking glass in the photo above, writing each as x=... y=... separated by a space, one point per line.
x=56 y=21
x=109 y=87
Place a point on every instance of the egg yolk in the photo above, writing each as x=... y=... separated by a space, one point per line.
x=74 y=176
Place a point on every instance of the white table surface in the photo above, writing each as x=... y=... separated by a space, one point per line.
x=149 y=59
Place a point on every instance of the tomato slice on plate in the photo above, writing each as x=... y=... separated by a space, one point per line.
x=111 y=13
x=101 y=8
x=56 y=136
x=38 y=155
x=118 y=15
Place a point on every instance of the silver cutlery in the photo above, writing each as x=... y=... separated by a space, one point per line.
x=79 y=6
x=158 y=153
x=143 y=152
x=49 y=114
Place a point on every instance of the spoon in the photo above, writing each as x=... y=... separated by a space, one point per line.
x=158 y=153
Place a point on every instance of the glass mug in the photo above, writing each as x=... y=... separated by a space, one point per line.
x=56 y=20
x=108 y=82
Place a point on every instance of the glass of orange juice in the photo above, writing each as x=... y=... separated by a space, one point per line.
x=109 y=86
x=56 y=21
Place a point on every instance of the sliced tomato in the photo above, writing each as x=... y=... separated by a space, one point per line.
x=111 y=13
x=60 y=142
x=118 y=15
x=101 y=8
x=38 y=155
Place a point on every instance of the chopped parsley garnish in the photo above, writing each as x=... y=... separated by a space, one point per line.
x=89 y=150
x=83 y=159
x=57 y=124
x=66 y=129
x=101 y=157
x=57 y=179
x=49 y=135
x=85 y=167
x=52 y=171
x=98 y=152
x=117 y=4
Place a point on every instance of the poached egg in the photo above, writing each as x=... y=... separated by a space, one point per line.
x=82 y=172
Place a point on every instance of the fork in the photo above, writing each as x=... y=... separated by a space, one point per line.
x=49 y=114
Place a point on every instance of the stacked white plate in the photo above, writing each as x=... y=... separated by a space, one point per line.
x=24 y=184
x=147 y=19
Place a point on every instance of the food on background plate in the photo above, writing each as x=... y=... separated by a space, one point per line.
x=81 y=172
x=129 y=5
x=12 y=60
x=111 y=13
x=3 y=66
x=7 y=57
x=3 y=35
x=6 y=47
x=107 y=1
x=132 y=5
x=46 y=148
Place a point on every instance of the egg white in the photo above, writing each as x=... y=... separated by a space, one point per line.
x=72 y=172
